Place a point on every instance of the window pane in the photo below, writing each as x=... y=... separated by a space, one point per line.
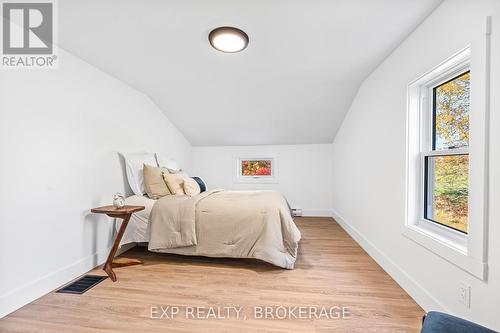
x=447 y=183
x=451 y=113
x=256 y=167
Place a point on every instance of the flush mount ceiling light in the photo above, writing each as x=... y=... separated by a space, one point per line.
x=228 y=39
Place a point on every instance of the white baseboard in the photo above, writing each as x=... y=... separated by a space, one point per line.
x=19 y=297
x=412 y=287
x=317 y=212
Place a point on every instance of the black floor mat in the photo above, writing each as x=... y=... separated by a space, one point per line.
x=82 y=284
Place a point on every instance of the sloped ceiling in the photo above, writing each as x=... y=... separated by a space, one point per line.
x=293 y=84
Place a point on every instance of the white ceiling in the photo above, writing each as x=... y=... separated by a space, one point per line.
x=293 y=84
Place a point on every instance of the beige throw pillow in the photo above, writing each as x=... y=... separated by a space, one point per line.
x=154 y=183
x=175 y=183
x=191 y=187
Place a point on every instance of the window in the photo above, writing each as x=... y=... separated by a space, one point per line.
x=256 y=169
x=446 y=171
x=446 y=159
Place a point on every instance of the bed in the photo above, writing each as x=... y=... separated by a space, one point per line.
x=215 y=223
x=218 y=223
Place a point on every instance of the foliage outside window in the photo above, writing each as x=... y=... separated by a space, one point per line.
x=447 y=163
x=452 y=109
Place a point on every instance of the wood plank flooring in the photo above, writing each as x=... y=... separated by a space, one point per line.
x=331 y=271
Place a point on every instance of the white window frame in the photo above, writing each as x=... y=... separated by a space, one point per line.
x=467 y=251
x=459 y=240
x=240 y=178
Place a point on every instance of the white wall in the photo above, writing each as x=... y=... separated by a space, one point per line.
x=60 y=131
x=369 y=168
x=304 y=172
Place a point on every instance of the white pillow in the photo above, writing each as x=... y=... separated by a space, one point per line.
x=166 y=162
x=134 y=165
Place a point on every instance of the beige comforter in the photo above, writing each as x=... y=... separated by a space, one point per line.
x=237 y=224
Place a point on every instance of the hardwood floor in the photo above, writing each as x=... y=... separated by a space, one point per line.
x=331 y=271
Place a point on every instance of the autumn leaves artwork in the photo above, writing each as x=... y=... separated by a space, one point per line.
x=256 y=168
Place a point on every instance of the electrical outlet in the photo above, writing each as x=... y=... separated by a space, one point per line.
x=464 y=294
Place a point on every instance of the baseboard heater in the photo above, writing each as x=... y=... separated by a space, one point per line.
x=83 y=284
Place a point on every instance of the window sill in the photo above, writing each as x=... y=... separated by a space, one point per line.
x=452 y=251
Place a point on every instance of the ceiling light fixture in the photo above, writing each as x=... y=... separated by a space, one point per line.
x=228 y=39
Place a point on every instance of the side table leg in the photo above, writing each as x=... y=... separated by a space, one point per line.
x=108 y=266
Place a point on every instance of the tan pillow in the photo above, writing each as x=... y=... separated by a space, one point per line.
x=154 y=183
x=191 y=187
x=175 y=183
